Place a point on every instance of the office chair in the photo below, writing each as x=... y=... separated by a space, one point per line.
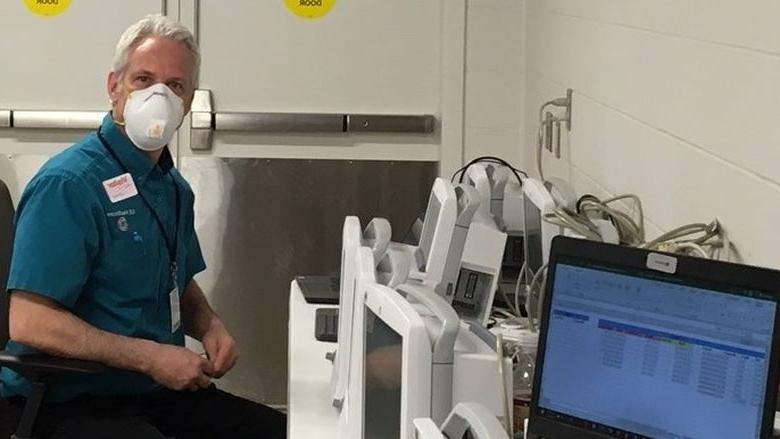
x=39 y=369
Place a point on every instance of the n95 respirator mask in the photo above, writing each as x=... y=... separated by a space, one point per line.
x=152 y=116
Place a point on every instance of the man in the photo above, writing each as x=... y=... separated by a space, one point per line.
x=104 y=257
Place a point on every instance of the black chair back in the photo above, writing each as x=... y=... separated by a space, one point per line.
x=6 y=245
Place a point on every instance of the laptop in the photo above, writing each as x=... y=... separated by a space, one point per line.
x=639 y=344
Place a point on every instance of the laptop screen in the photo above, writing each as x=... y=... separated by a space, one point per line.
x=654 y=356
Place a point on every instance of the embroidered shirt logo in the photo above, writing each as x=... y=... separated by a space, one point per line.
x=122 y=224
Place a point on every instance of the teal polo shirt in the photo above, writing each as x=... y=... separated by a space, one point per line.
x=106 y=262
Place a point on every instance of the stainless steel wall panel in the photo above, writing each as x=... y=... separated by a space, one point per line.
x=262 y=222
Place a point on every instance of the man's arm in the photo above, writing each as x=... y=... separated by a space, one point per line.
x=197 y=315
x=42 y=324
x=201 y=322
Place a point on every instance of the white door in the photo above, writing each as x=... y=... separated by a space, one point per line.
x=364 y=57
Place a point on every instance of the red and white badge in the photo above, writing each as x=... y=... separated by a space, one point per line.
x=120 y=188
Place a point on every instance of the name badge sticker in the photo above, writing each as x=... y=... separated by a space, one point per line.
x=120 y=188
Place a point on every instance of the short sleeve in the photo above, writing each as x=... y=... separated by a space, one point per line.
x=56 y=239
x=194 y=263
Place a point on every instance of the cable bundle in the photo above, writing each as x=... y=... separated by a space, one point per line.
x=703 y=240
x=630 y=231
x=488 y=159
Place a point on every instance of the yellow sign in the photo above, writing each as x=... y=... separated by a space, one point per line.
x=47 y=8
x=310 y=8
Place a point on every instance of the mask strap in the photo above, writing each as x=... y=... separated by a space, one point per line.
x=127 y=95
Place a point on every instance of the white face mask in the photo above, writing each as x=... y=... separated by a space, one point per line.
x=152 y=116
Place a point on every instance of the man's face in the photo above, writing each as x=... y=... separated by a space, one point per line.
x=152 y=61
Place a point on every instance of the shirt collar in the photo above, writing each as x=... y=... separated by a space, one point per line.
x=136 y=162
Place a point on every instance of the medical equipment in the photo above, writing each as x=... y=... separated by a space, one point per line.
x=467 y=418
x=446 y=325
x=395 y=365
x=551 y=209
x=512 y=210
x=520 y=344
x=480 y=269
x=480 y=175
x=425 y=428
x=537 y=232
x=514 y=250
x=436 y=260
x=393 y=269
x=488 y=159
x=360 y=268
x=390 y=380
x=430 y=288
x=489 y=179
x=326 y=325
x=480 y=373
x=562 y=193
x=484 y=255
x=499 y=179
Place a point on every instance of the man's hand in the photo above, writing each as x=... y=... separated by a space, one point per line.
x=220 y=348
x=179 y=368
x=201 y=323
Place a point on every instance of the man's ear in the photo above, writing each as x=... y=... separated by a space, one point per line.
x=188 y=103
x=112 y=86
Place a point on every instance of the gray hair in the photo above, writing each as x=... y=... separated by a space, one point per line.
x=156 y=26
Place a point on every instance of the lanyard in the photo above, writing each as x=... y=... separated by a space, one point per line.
x=169 y=243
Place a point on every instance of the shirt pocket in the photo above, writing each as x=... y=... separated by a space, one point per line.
x=129 y=247
x=121 y=278
x=127 y=240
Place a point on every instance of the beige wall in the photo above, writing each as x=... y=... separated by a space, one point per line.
x=676 y=101
x=495 y=79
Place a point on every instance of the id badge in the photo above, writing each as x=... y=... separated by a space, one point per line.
x=175 y=309
x=120 y=188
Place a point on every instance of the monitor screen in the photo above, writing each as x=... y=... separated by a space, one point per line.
x=383 y=362
x=532 y=231
x=653 y=355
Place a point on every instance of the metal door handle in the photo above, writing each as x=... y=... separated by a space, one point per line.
x=279 y=122
x=205 y=121
x=378 y=123
x=56 y=120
